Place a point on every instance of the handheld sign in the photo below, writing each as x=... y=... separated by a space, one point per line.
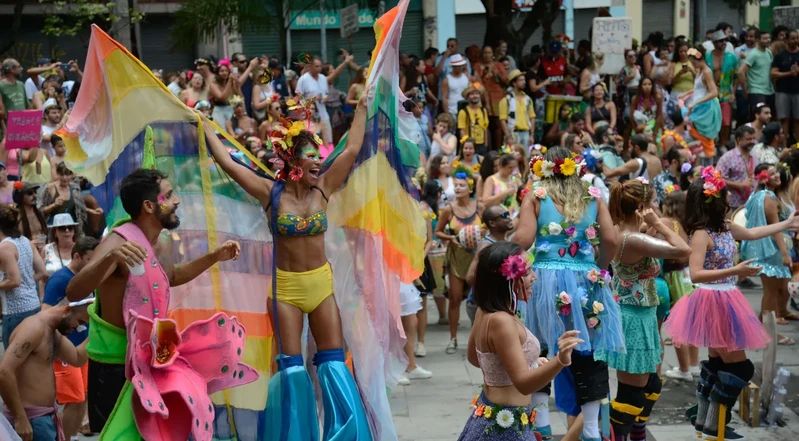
x=612 y=36
x=24 y=129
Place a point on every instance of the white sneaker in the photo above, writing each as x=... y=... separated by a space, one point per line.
x=676 y=374
x=452 y=346
x=404 y=380
x=419 y=373
x=420 y=350
x=694 y=370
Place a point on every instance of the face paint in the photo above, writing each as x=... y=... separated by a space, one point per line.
x=310 y=152
x=162 y=203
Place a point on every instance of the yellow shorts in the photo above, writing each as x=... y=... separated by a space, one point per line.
x=305 y=290
x=71 y=383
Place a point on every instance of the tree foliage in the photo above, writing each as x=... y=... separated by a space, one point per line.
x=516 y=28
x=70 y=17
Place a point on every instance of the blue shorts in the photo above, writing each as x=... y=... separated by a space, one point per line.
x=565 y=398
x=44 y=428
x=11 y=321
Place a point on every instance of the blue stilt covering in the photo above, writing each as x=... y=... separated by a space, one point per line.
x=345 y=418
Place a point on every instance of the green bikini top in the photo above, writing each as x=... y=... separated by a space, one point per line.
x=289 y=225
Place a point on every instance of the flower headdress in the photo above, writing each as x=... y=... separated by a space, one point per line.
x=763 y=177
x=464 y=138
x=786 y=168
x=283 y=142
x=672 y=188
x=564 y=167
x=235 y=100
x=686 y=167
x=19 y=185
x=714 y=183
x=505 y=150
x=459 y=171
x=514 y=268
x=693 y=52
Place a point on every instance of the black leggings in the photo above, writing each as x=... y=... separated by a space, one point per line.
x=105 y=384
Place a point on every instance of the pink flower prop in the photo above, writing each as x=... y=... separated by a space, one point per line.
x=173 y=373
x=593 y=276
x=593 y=191
x=593 y=322
x=514 y=267
x=565 y=309
x=570 y=231
x=604 y=275
x=564 y=298
x=540 y=192
x=590 y=233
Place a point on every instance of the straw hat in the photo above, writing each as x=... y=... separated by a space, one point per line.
x=474 y=87
x=63 y=220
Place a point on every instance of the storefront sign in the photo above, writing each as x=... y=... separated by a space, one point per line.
x=313 y=19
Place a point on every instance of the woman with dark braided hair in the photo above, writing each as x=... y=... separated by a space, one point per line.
x=296 y=203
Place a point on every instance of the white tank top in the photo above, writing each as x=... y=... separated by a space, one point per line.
x=456 y=87
x=700 y=90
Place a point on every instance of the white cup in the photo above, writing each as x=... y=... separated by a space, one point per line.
x=136 y=270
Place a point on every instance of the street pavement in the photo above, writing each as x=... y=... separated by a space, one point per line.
x=437 y=409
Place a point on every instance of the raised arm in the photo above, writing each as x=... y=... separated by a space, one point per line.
x=332 y=179
x=112 y=253
x=528 y=223
x=256 y=186
x=71 y=354
x=742 y=233
x=628 y=167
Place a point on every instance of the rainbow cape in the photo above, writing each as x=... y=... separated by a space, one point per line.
x=375 y=235
x=105 y=137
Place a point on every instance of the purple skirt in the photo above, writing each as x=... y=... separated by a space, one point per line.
x=501 y=423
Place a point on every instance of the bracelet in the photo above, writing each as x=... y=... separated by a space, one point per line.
x=557 y=357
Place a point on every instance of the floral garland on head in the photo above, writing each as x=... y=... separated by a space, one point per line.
x=283 y=140
x=460 y=171
x=763 y=177
x=714 y=183
x=565 y=167
x=514 y=268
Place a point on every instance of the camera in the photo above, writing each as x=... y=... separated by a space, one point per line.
x=59 y=90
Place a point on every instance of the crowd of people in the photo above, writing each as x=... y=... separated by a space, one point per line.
x=568 y=239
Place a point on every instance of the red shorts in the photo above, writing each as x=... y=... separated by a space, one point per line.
x=71 y=383
x=726 y=114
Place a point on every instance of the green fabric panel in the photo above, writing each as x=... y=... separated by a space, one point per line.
x=121 y=425
x=107 y=343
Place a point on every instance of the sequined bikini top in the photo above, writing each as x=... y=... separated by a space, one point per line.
x=289 y=224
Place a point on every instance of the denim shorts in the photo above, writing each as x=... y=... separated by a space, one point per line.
x=11 y=321
x=44 y=428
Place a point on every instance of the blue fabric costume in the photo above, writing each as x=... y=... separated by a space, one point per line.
x=764 y=251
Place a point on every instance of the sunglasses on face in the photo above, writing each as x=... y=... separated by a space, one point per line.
x=66 y=228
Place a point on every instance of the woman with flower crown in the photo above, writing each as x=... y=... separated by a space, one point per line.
x=296 y=204
x=566 y=220
x=459 y=219
x=771 y=253
x=716 y=315
x=635 y=269
x=507 y=352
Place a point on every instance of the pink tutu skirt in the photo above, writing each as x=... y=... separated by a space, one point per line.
x=716 y=317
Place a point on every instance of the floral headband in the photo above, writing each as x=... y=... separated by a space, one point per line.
x=714 y=183
x=461 y=172
x=505 y=150
x=283 y=140
x=202 y=62
x=763 y=177
x=693 y=52
x=458 y=166
x=564 y=167
x=514 y=268
x=672 y=188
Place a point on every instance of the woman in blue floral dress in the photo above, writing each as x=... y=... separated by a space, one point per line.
x=567 y=220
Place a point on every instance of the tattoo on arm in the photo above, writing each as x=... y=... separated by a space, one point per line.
x=22 y=350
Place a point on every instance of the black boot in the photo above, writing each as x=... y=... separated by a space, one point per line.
x=725 y=391
x=703 y=389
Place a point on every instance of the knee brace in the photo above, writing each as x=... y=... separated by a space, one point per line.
x=744 y=370
x=707 y=378
x=651 y=394
x=627 y=406
x=590 y=378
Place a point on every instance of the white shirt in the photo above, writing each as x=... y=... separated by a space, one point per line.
x=31 y=88
x=47 y=130
x=309 y=87
x=174 y=87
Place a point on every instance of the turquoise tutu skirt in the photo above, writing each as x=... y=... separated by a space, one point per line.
x=706 y=118
x=548 y=317
x=643 y=341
